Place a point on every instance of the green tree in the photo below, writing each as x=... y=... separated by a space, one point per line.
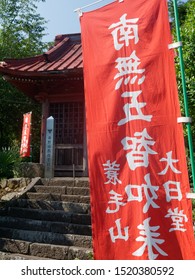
x=22 y=28
x=21 y=33
x=188 y=39
x=186 y=11
x=181 y=8
x=187 y=23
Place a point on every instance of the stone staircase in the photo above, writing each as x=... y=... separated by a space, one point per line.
x=50 y=220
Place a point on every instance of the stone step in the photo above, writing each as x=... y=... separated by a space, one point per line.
x=18 y=257
x=58 y=197
x=47 y=237
x=78 y=191
x=51 y=220
x=17 y=249
x=71 y=182
x=82 y=208
x=50 y=189
x=61 y=190
x=36 y=225
x=47 y=215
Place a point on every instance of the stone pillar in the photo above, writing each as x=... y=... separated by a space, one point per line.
x=49 y=148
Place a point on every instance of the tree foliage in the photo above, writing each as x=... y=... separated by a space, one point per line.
x=188 y=39
x=22 y=28
x=21 y=33
x=187 y=28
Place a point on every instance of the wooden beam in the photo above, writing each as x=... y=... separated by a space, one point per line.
x=45 y=114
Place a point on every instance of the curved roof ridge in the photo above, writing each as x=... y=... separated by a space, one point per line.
x=65 y=49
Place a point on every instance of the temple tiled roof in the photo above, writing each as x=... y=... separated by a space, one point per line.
x=66 y=54
x=51 y=75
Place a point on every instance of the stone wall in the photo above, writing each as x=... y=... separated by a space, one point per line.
x=31 y=170
x=11 y=188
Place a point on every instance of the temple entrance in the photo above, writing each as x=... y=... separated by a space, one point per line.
x=55 y=79
x=70 y=157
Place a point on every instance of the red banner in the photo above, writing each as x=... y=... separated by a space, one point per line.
x=25 y=142
x=137 y=163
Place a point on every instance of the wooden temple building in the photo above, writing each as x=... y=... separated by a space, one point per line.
x=55 y=79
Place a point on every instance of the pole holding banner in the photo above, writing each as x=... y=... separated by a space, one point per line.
x=79 y=10
x=182 y=68
x=49 y=148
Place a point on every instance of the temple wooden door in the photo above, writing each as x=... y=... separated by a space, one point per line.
x=70 y=147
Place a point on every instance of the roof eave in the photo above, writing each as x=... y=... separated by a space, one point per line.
x=41 y=74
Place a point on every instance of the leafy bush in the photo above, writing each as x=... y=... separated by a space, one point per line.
x=9 y=161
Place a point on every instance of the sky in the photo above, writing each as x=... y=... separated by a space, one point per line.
x=61 y=16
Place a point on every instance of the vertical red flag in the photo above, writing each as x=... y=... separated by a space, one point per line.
x=26 y=130
x=137 y=164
